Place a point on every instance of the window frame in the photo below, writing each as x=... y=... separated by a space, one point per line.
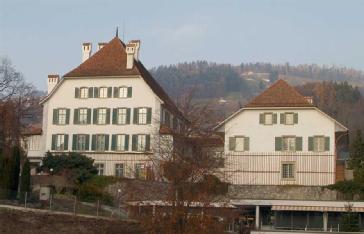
x=79 y=116
x=118 y=168
x=283 y=143
x=244 y=139
x=315 y=143
x=285 y=118
x=59 y=116
x=292 y=171
x=138 y=169
x=87 y=92
x=99 y=166
x=125 y=115
x=60 y=146
x=140 y=115
x=122 y=141
x=139 y=145
x=126 y=91
x=106 y=94
x=98 y=116
x=97 y=149
x=78 y=148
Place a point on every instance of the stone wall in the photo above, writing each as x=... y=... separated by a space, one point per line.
x=281 y=192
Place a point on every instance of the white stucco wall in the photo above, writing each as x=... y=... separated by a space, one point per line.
x=64 y=97
x=262 y=164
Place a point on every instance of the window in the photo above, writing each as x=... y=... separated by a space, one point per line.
x=62 y=115
x=142 y=116
x=101 y=116
x=81 y=142
x=141 y=142
x=83 y=92
x=239 y=143
x=82 y=116
x=120 y=142
x=289 y=144
x=60 y=142
x=139 y=172
x=100 y=142
x=319 y=144
x=123 y=92
x=268 y=118
x=119 y=170
x=121 y=116
x=103 y=92
x=288 y=171
x=289 y=118
x=100 y=168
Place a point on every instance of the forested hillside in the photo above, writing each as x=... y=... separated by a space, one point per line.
x=336 y=90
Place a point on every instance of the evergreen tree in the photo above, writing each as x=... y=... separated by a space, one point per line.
x=357 y=157
x=25 y=179
x=15 y=169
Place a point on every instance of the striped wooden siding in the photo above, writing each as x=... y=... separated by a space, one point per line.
x=265 y=168
x=110 y=159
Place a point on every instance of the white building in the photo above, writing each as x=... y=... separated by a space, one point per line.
x=109 y=108
x=280 y=138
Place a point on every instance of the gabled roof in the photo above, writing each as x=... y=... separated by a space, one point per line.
x=280 y=94
x=110 y=60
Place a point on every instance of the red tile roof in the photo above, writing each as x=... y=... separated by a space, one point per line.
x=280 y=94
x=110 y=60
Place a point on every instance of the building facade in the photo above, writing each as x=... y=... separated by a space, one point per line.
x=280 y=138
x=109 y=108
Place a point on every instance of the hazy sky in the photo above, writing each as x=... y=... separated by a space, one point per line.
x=45 y=36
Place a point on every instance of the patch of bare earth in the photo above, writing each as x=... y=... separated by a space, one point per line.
x=18 y=221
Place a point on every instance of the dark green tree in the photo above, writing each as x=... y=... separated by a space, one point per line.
x=76 y=167
x=349 y=222
x=357 y=157
x=15 y=168
x=25 y=178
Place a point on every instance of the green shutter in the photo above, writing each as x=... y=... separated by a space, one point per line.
x=147 y=143
x=108 y=116
x=53 y=144
x=149 y=115
x=278 y=143
x=55 y=116
x=327 y=143
x=109 y=92
x=126 y=145
x=114 y=116
x=130 y=92
x=128 y=116
x=96 y=92
x=90 y=92
x=74 y=142
x=116 y=92
x=261 y=118
x=295 y=118
x=310 y=143
x=282 y=118
x=231 y=143
x=135 y=115
x=67 y=116
x=75 y=116
x=246 y=143
x=113 y=142
x=275 y=118
x=298 y=143
x=88 y=116
x=87 y=142
x=134 y=143
x=77 y=93
x=66 y=142
x=106 y=142
x=95 y=116
x=93 y=143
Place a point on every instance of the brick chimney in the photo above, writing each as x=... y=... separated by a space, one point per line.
x=86 y=51
x=52 y=82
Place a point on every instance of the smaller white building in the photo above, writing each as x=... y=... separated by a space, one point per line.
x=280 y=138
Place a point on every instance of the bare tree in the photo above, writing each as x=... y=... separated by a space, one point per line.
x=185 y=157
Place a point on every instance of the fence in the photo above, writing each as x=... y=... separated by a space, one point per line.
x=66 y=203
